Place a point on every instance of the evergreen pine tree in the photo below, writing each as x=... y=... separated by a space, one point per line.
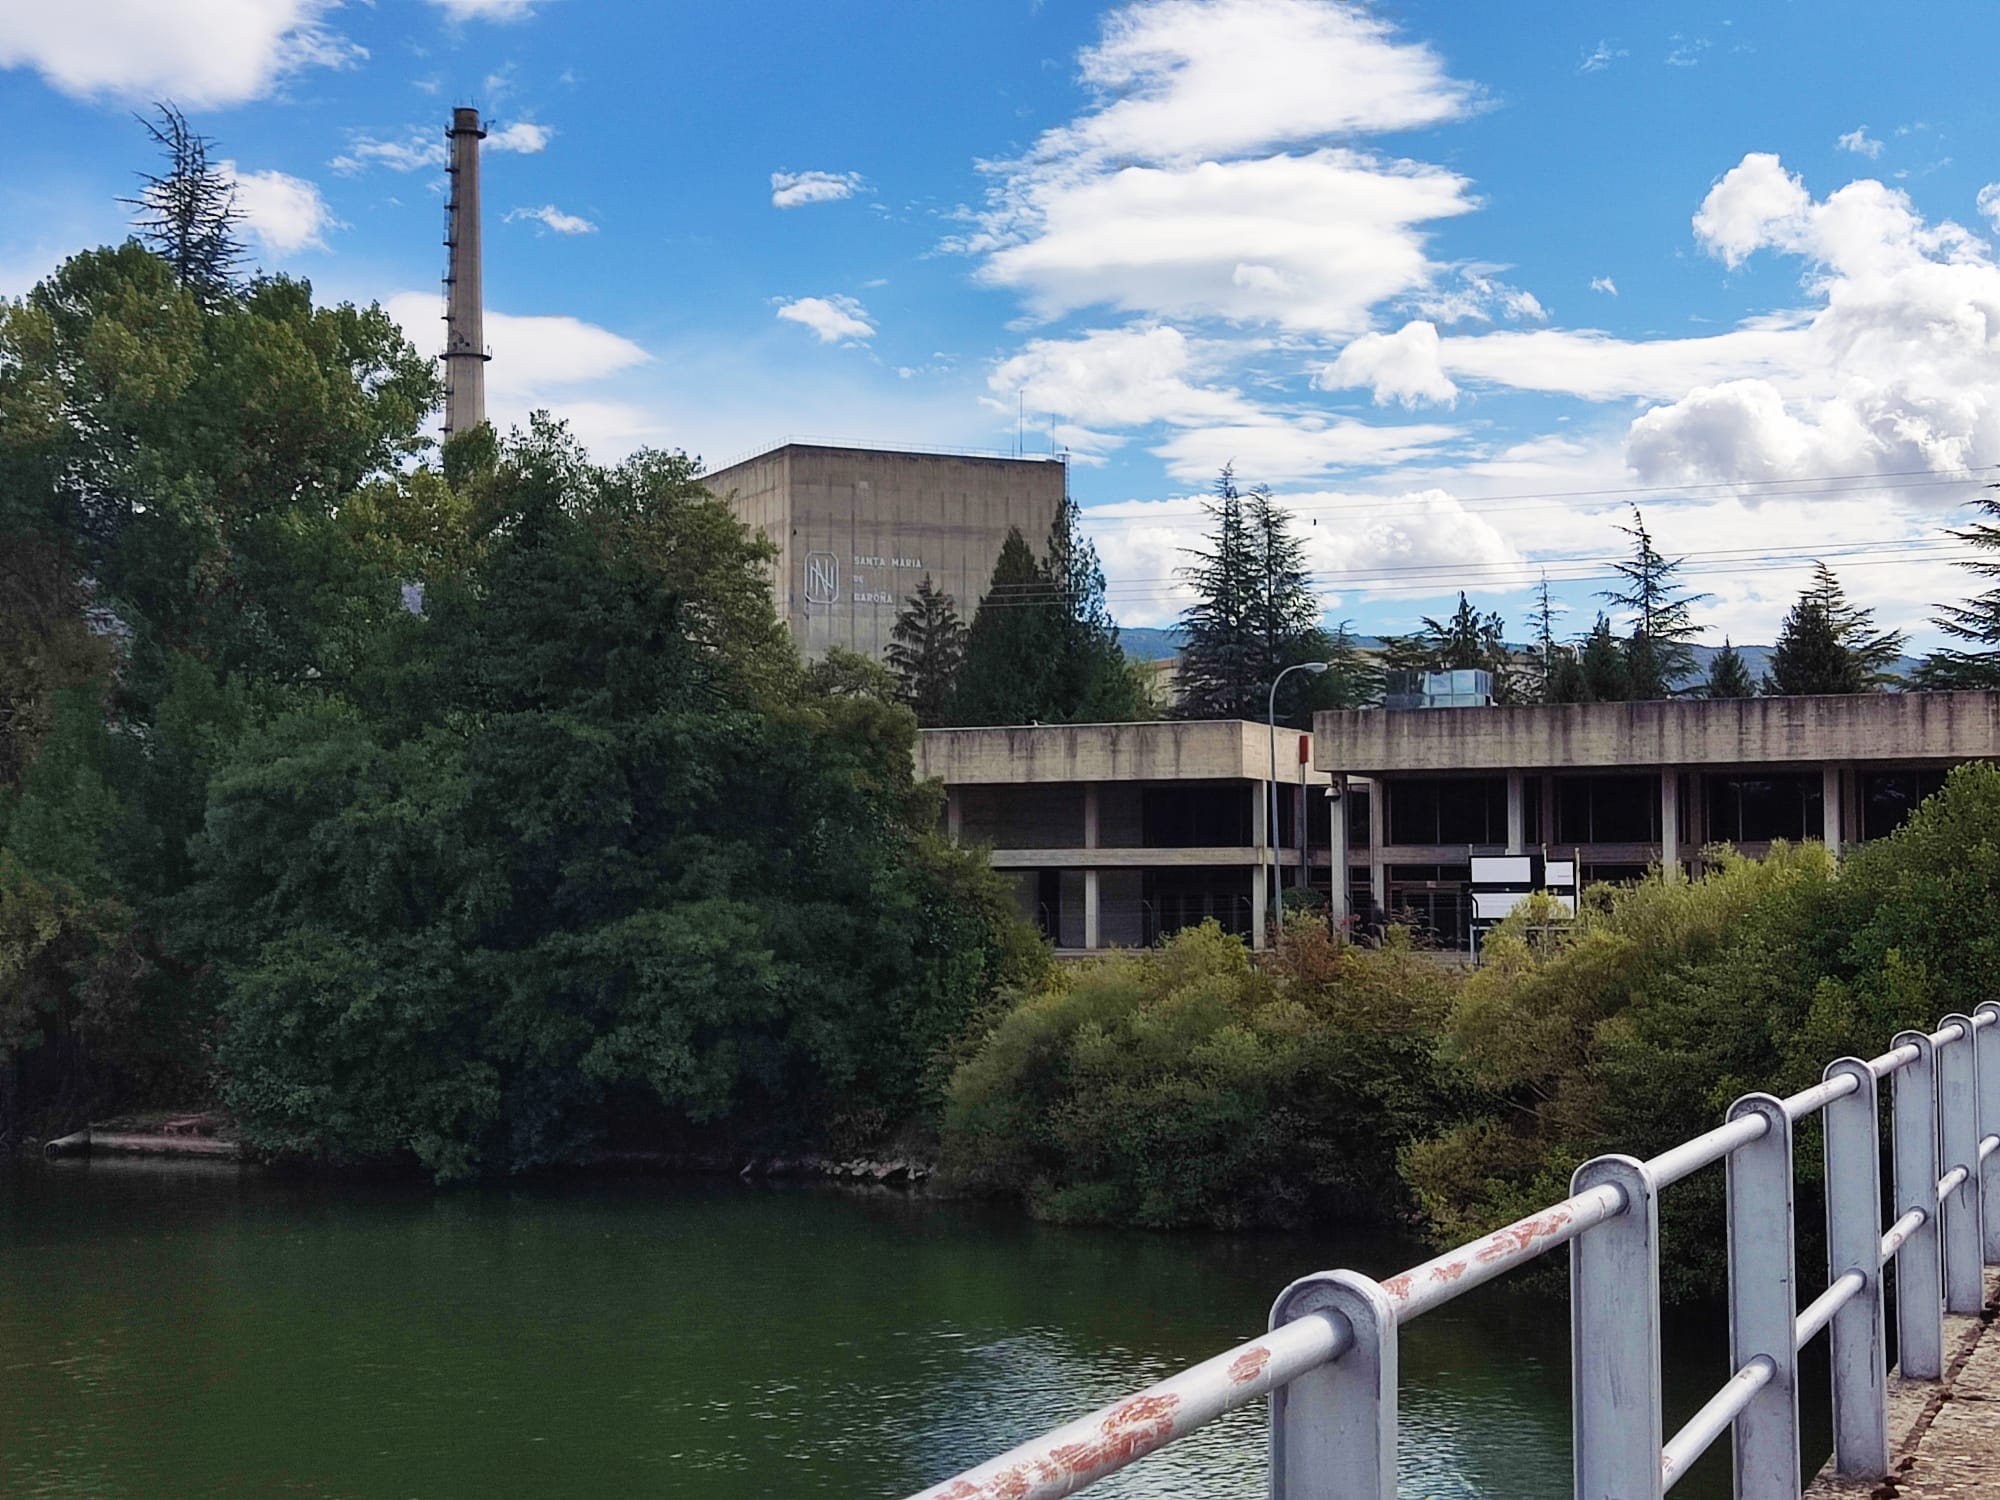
x=1728 y=677
x=1284 y=614
x=1875 y=652
x=1603 y=666
x=187 y=213
x=1977 y=621
x=1547 y=649
x=1255 y=614
x=926 y=650
x=1013 y=646
x=1218 y=670
x=1657 y=655
x=1809 y=657
x=1466 y=641
x=1094 y=681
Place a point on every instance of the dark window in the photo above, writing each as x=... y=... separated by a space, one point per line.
x=1457 y=810
x=1432 y=899
x=1607 y=809
x=1175 y=898
x=1757 y=809
x=1613 y=874
x=1889 y=797
x=1357 y=817
x=1198 y=815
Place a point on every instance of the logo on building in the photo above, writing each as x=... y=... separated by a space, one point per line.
x=822 y=578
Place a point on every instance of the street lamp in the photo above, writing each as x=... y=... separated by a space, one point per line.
x=1271 y=823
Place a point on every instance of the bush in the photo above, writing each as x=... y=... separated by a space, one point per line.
x=1186 y=1086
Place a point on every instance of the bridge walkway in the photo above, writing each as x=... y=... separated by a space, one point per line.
x=1944 y=1435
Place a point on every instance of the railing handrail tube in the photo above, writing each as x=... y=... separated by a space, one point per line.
x=1952 y=1094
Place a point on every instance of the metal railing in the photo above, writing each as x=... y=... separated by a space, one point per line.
x=1328 y=1363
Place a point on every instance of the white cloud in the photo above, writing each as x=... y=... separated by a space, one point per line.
x=1988 y=202
x=285 y=213
x=204 y=54
x=1604 y=284
x=1114 y=377
x=831 y=318
x=486 y=10
x=1403 y=366
x=1860 y=143
x=420 y=149
x=554 y=218
x=1600 y=57
x=521 y=137
x=1477 y=294
x=1277 y=448
x=1686 y=53
x=794 y=189
x=1213 y=178
x=1144 y=543
x=1308 y=242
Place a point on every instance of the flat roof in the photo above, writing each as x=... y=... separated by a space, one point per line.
x=880 y=450
x=1883 y=728
x=1161 y=750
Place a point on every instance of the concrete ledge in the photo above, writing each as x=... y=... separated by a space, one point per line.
x=1877 y=728
x=1170 y=750
x=1131 y=859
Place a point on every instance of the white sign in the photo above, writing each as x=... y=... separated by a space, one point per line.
x=822 y=578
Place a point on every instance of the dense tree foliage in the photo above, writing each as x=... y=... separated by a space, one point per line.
x=926 y=650
x=510 y=902
x=475 y=814
x=1830 y=645
x=1657 y=655
x=1633 y=1028
x=1042 y=648
x=1975 y=623
x=1185 y=1086
x=1728 y=675
x=1255 y=614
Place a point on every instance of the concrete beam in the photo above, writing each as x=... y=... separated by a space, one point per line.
x=1194 y=750
x=1875 y=728
x=1132 y=859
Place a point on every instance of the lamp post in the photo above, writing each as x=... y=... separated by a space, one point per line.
x=1271 y=821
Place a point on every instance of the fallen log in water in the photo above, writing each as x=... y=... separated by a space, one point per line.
x=91 y=1141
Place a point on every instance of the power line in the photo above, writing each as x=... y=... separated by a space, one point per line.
x=1808 y=487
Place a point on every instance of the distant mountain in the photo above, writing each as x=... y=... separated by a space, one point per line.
x=1148 y=644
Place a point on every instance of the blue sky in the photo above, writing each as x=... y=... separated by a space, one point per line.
x=1460 y=282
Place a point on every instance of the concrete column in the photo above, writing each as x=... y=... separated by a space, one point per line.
x=1670 y=822
x=1378 y=838
x=1517 y=813
x=1260 y=877
x=1259 y=905
x=1336 y=838
x=954 y=815
x=1090 y=907
x=1829 y=806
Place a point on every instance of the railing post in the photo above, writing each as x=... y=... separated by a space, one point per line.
x=1333 y=1429
x=1958 y=1146
x=1919 y=1282
x=1857 y=1339
x=1763 y=1301
x=1986 y=1054
x=1614 y=1310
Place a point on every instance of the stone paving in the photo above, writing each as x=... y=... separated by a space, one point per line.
x=1944 y=1435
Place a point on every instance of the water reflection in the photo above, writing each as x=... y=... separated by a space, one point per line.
x=209 y=1332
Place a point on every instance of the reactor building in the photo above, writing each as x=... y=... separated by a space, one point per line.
x=857 y=528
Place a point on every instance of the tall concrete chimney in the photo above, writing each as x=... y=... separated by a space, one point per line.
x=465 y=353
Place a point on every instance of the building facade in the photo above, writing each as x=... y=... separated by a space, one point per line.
x=1619 y=787
x=1115 y=835
x=1118 y=834
x=857 y=528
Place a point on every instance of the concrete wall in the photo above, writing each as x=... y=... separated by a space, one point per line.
x=1878 y=728
x=869 y=524
x=1201 y=750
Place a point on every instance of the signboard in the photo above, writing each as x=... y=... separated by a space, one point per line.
x=822 y=578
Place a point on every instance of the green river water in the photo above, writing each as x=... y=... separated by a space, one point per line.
x=211 y=1332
